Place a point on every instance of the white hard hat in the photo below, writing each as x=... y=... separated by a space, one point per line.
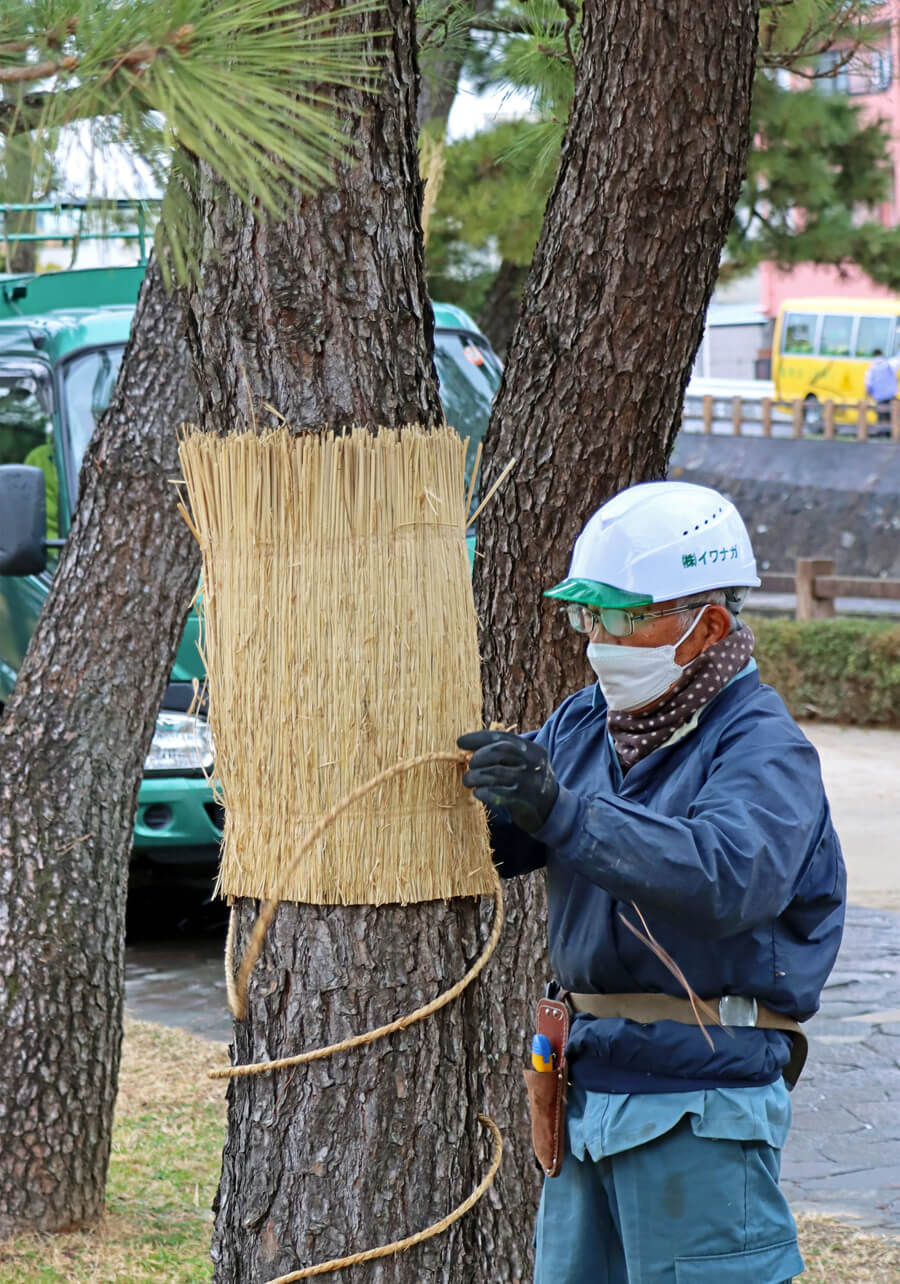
x=658 y=541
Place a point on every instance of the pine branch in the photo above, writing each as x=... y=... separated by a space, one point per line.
x=138 y=59
x=510 y=26
x=842 y=25
x=259 y=91
x=36 y=71
x=569 y=9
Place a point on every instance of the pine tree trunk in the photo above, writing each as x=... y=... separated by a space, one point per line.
x=500 y=309
x=591 y=399
x=72 y=744
x=326 y=318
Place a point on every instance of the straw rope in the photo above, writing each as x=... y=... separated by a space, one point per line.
x=401 y=1023
x=400 y=1245
x=237 y=985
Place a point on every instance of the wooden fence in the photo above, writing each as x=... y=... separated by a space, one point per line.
x=858 y=418
x=816 y=586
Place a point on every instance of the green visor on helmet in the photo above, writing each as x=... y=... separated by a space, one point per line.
x=593 y=593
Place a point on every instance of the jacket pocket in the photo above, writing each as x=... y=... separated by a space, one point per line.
x=774 y=1264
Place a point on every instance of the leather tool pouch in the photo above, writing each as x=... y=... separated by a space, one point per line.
x=547 y=1089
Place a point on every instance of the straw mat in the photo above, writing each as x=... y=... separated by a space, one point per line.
x=339 y=637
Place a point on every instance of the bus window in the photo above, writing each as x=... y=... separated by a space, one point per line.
x=834 y=340
x=799 y=333
x=874 y=332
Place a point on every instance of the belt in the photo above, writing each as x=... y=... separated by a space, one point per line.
x=733 y=1010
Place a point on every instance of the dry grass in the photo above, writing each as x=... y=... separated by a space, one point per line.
x=340 y=638
x=170 y=1125
x=164 y=1168
x=835 y=1253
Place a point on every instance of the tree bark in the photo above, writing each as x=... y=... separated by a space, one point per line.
x=325 y=317
x=72 y=744
x=592 y=392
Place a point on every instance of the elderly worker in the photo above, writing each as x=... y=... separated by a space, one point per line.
x=679 y=787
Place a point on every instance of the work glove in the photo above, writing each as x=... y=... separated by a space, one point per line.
x=506 y=771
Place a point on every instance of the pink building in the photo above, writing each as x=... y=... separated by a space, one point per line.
x=872 y=79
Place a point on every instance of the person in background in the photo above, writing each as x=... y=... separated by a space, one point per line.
x=675 y=798
x=881 y=385
x=42 y=457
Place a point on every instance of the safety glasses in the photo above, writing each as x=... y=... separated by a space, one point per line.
x=616 y=622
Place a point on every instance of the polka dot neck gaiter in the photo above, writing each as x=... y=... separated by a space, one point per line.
x=637 y=734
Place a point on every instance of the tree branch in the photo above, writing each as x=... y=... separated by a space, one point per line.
x=509 y=26
x=138 y=58
x=568 y=8
x=817 y=37
x=36 y=71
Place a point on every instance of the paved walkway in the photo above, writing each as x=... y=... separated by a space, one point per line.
x=861 y=770
x=843 y=1153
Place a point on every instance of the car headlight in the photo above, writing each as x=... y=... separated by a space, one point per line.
x=181 y=742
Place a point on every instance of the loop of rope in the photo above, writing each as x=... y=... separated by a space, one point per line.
x=401 y=1023
x=400 y=1245
x=237 y=986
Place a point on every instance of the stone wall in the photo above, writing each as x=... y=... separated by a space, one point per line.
x=805 y=498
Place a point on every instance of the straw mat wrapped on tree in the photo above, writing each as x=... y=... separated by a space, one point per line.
x=339 y=637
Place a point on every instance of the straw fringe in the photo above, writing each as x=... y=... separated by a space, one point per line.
x=238 y=986
x=237 y=998
x=339 y=636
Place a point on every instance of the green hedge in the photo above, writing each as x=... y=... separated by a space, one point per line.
x=842 y=670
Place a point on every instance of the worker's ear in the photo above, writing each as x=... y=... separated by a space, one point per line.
x=714 y=625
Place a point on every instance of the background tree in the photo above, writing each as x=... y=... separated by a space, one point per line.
x=76 y=730
x=814 y=178
x=810 y=153
x=21 y=184
x=444 y=35
x=490 y=206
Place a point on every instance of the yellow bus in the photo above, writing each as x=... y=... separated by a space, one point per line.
x=821 y=349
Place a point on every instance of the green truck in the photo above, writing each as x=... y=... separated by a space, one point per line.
x=62 y=336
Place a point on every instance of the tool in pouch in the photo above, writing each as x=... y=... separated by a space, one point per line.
x=547 y=1087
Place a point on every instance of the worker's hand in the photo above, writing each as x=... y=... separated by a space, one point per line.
x=506 y=771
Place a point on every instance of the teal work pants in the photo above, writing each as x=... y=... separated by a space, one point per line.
x=679 y=1210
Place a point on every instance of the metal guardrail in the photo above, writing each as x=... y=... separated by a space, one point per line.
x=141 y=207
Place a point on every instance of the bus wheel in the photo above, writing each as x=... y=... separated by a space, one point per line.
x=812 y=414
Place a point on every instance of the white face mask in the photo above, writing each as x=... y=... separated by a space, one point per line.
x=631 y=677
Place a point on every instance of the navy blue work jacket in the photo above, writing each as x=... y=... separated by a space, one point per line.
x=724 y=840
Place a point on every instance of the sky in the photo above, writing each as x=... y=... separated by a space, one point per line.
x=472 y=112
